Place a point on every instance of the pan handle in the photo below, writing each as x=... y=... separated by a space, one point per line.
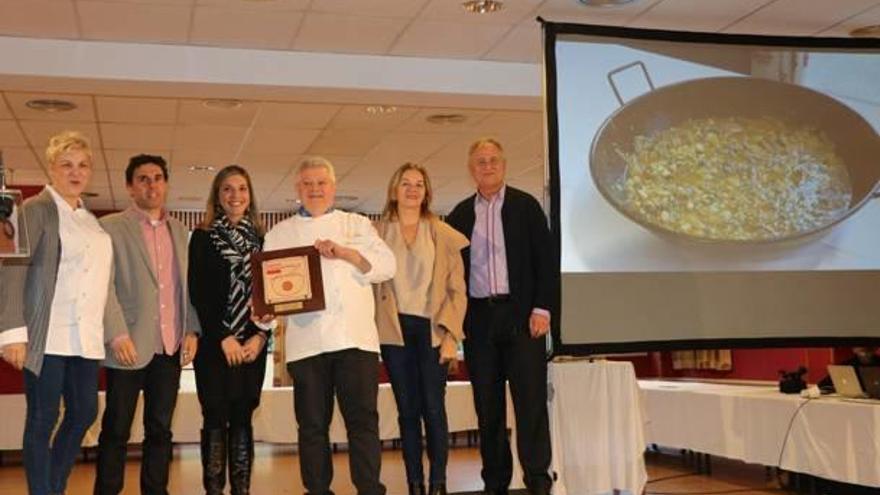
x=622 y=68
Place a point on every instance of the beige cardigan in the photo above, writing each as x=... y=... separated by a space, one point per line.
x=447 y=300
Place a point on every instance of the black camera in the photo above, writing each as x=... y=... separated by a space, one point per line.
x=7 y=206
x=792 y=382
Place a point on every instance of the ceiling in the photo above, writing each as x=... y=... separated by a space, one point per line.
x=125 y=111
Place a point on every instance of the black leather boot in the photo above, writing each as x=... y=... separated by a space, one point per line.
x=214 y=461
x=241 y=459
x=416 y=488
x=437 y=488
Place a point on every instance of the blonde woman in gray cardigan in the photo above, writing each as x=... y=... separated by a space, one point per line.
x=419 y=314
x=52 y=324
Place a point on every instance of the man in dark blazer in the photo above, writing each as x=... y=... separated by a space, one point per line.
x=158 y=335
x=510 y=279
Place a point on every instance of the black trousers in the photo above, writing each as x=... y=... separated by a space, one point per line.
x=497 y=349
x=352 y=376
x=159 y=381
x=228 y=395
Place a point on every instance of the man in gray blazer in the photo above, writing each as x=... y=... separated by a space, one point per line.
x=159 y=334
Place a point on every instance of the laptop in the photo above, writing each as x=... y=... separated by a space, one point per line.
x=870 y=377
x=845 y=381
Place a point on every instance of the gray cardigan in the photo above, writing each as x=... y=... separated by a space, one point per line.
x=29 y=284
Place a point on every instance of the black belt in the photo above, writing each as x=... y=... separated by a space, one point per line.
x=493 y=299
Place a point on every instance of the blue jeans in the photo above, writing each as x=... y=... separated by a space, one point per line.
x=76 y=379
x=419 y=383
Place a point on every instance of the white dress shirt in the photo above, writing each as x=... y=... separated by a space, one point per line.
x=76 y=326
x=348 y=321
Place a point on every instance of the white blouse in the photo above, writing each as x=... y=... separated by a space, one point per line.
x=76 y=320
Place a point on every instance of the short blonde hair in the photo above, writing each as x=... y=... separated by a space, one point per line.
x=316 y=162
x=65 y=141
x=484 y=141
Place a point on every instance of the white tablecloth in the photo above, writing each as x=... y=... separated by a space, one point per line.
x=273 y=421
x=830 y=437
x=597 y=428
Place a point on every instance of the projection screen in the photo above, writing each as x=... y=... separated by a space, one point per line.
x=713 y=190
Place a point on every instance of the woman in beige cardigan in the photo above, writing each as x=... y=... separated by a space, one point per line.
x=419 y=314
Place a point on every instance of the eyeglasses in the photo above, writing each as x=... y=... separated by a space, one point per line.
x=484 y=162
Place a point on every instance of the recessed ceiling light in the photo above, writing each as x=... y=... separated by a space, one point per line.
x=605 y=3
x=222 y=104
x=51 y=105
x=482 y=6
x=380 y=109
x=872 y=31
x=446 y=118
x=201 y=168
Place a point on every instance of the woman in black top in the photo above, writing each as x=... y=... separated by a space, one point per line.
x=231 y=361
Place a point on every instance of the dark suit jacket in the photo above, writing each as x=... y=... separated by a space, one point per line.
x=530 y=268
x=209 y=287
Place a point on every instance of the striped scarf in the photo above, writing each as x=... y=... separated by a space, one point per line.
x=236 y=243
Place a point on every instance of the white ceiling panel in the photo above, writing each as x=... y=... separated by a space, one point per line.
x=511 y=13
x=265 y=182
x=512 y=123
x=182 y=159
x=137 y=136
x=295 y=115
x=134 y=22
x=257 y=5
x=374 y=8
x=117 y=185
x=244 y=28
x=195 y=112
x=156 y=2
x=357 y=117
x=280 y=141
x=136 y=110
x=223 y=139
x=799 y=17
x=348 y=34
x=573 y=11
x=345 y=142
x=399 y=147
x=365 y=181
x=10 y=135
x=19 y=158
x=443 y=167
x=42 y=18
x=697 y=15
x=460 y=188
x=39 y=132
x=869 y=17
x=473 y=119
x=4 y=110
x=459 y=40
x=84 y=111
x=521 y=44
x=258 y=163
